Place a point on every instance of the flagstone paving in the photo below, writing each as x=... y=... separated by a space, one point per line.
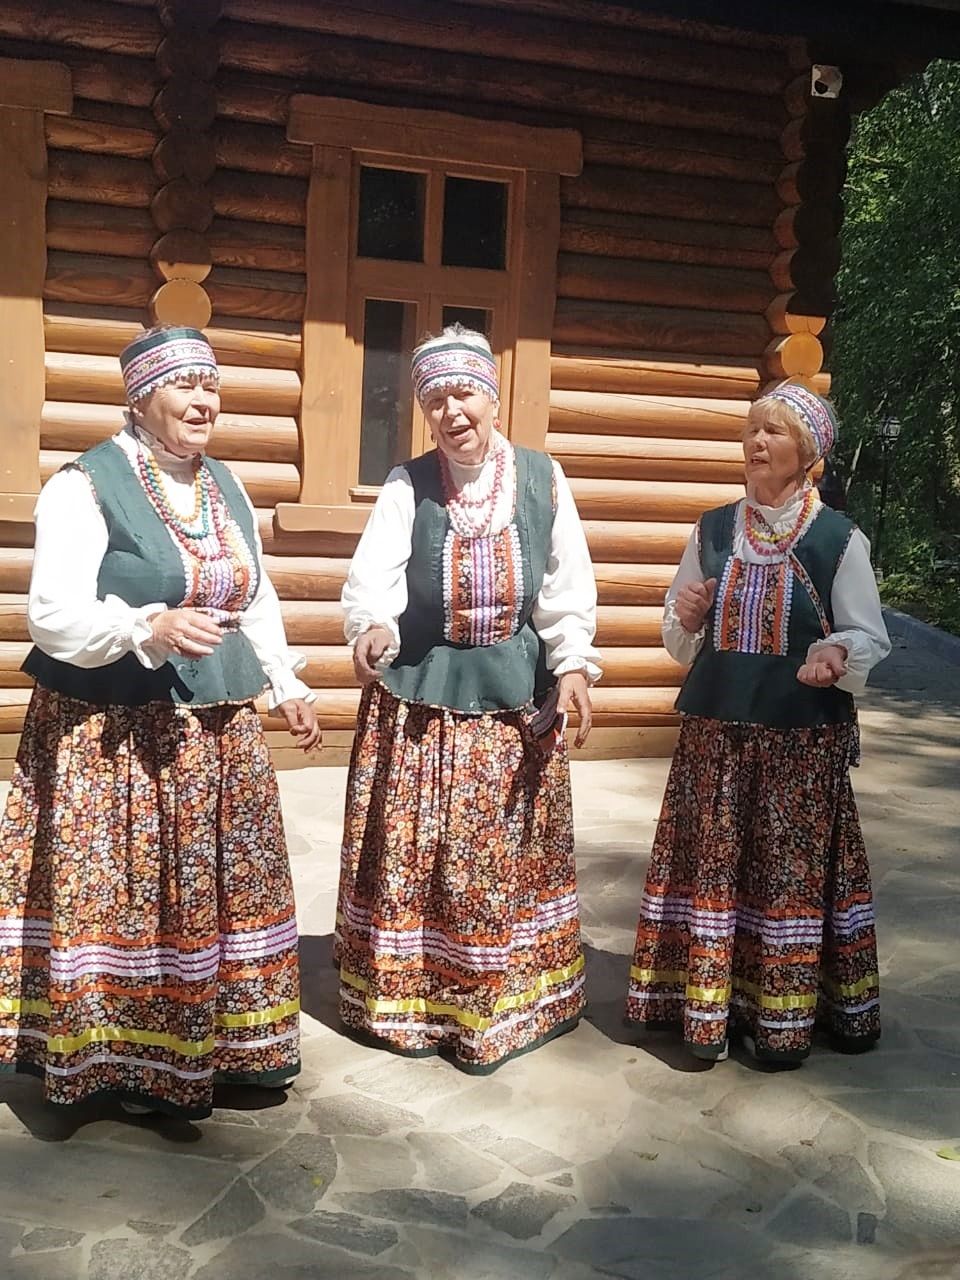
x=601 y=1154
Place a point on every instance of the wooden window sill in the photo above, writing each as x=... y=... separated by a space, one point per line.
x=301 y=517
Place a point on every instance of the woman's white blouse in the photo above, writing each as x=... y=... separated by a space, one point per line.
x=67 y=620
x=565 y=612
x=854 y=601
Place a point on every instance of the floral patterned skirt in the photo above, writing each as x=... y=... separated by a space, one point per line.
x=757 y=913
x=458 y=922
x=148 y=942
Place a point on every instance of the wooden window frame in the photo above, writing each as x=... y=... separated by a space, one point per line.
x=27 y=90
x=343 y=133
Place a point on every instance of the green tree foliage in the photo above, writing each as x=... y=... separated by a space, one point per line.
x=897 y=337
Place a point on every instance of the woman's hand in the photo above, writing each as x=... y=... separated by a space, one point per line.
x=574 y=689
x=367 y=652
x=693 y=603
x=828 y=666
x=302 y=722
x=186 y=632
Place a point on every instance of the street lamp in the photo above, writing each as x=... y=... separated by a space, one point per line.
x=888 y=431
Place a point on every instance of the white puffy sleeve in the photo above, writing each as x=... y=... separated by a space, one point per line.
x=64 y=615
x=375 y=593
x=857 y=616
x=565 y=612
x=682 y=645
x=262 y=623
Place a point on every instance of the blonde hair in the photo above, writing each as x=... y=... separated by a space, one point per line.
x=780 y=414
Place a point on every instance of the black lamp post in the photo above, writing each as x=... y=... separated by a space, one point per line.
x=889 y=430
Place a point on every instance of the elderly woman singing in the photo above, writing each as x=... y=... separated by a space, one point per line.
x=471 y=607
x=147 y=930
x=757 y=915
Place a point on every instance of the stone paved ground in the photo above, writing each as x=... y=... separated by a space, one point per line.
x=596 y=1156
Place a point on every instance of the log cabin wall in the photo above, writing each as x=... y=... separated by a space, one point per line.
x=696 y=245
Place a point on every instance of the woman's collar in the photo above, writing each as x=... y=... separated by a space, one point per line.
x=786 y=509
x=165 y=458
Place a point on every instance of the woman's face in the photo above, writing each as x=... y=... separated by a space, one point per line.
x=461 y=422
x=182 y=414
x=771 y=454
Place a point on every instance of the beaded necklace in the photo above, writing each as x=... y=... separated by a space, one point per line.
x=472 y=517
x=764 y=540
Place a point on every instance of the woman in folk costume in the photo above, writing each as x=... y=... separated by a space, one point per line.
x=471 y=594
x=757 y=914
x=147 y=928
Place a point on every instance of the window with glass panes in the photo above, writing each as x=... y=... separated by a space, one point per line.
x=420 y=227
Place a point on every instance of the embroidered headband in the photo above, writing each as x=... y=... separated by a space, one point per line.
x=454 y=362
x=816 y=414
x=160 y=356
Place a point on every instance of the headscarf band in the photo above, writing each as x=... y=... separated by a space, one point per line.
x=161 y=356
x=454 y=364
x=816 y=414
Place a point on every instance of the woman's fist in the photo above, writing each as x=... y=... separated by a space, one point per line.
x=693 y=603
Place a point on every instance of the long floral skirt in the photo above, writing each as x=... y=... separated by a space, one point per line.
x=458 y=921
x=148 y=942
x=757 y=914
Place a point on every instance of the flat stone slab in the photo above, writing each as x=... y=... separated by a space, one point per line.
x=521 y=1211
x=294 y=1178
x=348 y=1231
x=436 y=1208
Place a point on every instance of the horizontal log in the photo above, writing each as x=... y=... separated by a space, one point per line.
x=622 y=235
x=674 y=418
x=684 y=152
x=674 y=329
x=713 y=200
x=259 y=148
x=663 y=284
x=260 y=246
x=305 y=577
x=415 y=24
x=639 y=458
x=312 y=56
x=100 y=331
x=633 y=583
x=585 y=232
x=268 y=199
x=636 y=541
x=633 y=706
x=12 y=656
x=243 y=390
x=267 y=483
x=95 y=279
x=15 y=563
x=13 y=618
x=649 y=499
x=699 y=377
x=258 y=295
x=77 y=426
x=99 y=77
x=100 y=229
x=627 y=17
x=74 y=133
x=97 y=26
x=101 y=179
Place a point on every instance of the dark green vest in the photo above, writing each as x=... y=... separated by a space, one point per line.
x=473 y=679
x=142 y=566
x=762 y=688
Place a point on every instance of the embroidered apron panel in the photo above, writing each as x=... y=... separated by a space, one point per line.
x=482 y=587
x=752 y=612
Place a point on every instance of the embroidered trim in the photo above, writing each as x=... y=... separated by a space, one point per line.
x=482 y=587
x=753 y=608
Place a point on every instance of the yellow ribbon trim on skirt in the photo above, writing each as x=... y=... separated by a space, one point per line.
x=716 y=995
x=418 y=1004
x=156 y=1039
